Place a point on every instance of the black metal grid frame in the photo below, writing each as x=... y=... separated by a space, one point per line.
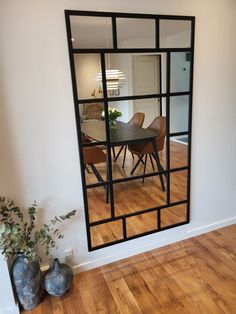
x=106 y=99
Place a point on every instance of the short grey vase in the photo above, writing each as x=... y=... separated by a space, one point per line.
x=58 y=279
x=26 y=277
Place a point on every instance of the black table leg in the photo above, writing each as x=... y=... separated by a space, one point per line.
x=161 y=168
x=116 y=157
x=107 y=187
x=155 y=151
x=123 y=165
x=150 y=156
x=114 y=153
x=145 y=164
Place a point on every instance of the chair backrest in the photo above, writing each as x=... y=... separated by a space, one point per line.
x=93 y=155
x=93 y=111
x=158 y=125
x=137 y=119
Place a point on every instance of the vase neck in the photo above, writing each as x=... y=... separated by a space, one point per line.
x=56 y=265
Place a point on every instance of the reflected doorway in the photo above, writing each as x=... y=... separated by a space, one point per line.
x=147 y=80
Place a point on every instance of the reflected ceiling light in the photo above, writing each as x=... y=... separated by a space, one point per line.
x=114 y=79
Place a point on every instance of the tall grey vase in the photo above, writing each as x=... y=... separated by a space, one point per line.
x=27 y=281
x=58 y=279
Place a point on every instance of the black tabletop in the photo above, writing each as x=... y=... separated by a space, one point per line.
x=124 y=133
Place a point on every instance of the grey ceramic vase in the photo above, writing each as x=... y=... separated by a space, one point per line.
x=26 y=277
x=58 y=279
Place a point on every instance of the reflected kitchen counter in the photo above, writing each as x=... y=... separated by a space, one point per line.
x=123 y=134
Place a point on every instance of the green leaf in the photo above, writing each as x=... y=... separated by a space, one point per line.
x=18 y=233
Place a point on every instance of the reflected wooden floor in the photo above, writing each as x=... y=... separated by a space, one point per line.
x=134 y=196
x=195 y=276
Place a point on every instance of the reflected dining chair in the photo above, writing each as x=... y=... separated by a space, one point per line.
x=143 y=150
x=136 y=121
x=85 y=140
x=93 y=156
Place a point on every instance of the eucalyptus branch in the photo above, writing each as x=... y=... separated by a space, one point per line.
x=18 y=232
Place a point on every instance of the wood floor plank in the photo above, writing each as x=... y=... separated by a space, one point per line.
x=195 y=276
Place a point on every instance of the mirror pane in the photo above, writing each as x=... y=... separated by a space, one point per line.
x=179 y=111
x=147 y=74
x=178 y=151
x=93 y=126
x=179 y=72
x=95 y=159
x=131 y=141
x=173 y=215
x=106 y=233
x=87 y=67
x=175 y=34
x=123 y=109
x=178 y=186
x=130 y=74
x=91 y=32
x=98 y=206
x=136 y=195
x=150 y=107
x=141 y=223
x=127 y=163
x=135 y=33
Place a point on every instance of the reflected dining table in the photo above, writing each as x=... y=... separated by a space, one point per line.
x=124 y=134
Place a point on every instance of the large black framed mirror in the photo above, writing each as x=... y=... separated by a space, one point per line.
x=132 y=81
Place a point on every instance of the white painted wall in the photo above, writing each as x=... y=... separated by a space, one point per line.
x=87 y=67
x=38 y=145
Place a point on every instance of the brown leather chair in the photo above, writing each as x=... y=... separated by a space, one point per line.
x=93 y=156
x=136 y=121
x=142 y=150
x=85 y=139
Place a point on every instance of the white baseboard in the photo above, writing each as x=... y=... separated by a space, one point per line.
x=153 y=245
x=213 y=226
x=178 y=141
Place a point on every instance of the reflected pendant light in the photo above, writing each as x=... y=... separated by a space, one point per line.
x=114 y=79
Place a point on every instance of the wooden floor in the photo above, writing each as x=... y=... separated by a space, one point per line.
x=133 y=196
x=196 y=276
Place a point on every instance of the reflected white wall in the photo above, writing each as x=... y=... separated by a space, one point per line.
x=87 y=66
x=121 y=62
